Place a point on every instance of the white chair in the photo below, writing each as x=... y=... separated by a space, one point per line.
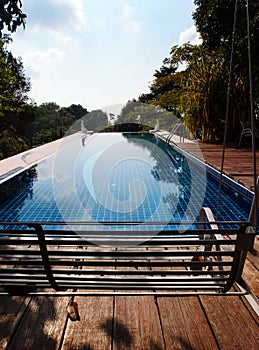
x=247 y=131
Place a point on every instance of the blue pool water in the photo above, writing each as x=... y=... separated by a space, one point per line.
x=118 y=177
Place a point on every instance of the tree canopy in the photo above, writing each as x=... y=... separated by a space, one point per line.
x=11 y=15
x=14 y=85
x=14 y=110
x=214 y=20
x=23 y=124
x=193 y=81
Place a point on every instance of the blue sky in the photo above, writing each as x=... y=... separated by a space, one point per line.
x=98 y=53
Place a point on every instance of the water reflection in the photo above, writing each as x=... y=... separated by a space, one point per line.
x=114 y=177
x=173 y=170
x=15 y=192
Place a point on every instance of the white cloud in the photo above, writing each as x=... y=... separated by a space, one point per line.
x=55 y=15
x=130 y=24
x=60 y=37
x=36 y=61
x=127 y=12
x=190 y=35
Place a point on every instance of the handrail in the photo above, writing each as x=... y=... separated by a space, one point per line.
x=173 y=131
x=121 y=223
x=245 y=242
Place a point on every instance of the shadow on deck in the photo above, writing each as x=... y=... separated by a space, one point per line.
x=146 y=322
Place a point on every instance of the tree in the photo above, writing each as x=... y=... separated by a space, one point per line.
x=14 y=109
x=166 y=89
x=77 y=111
x=96 y=120
x=199 y=90
x=52 y=122
x=165 y=92
x=11 y=15
x=14 y=85
x=214 y=21
x=203 y=96
x=170 y=82
x=24 y=124
x=144 y=116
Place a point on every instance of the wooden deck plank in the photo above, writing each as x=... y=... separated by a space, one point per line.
x=238 y=162
x=76 y=336
x=42 y=325
x=11 y=311
x=137 y=324
x=185 y=325
x=254 y=255
x=94 y=329
x=231 y=322
x=251 y=277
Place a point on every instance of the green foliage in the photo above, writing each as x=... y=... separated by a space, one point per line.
x=14 y=85
x=146 y=116
x=22 y=124
x=204 y=94
x=96 y=120
x=14 y=110
x=52 y=122
x=77 y=111
x=11 y=143
x=214 y=20
x=11 y=15
x=199 y=90
x=166 y=89
x=127 y=127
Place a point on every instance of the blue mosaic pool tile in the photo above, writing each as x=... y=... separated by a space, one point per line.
x=30 y=196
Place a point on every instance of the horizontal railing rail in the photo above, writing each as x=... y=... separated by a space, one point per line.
x=112 y=258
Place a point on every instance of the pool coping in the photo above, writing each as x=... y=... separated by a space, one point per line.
x=14 y=165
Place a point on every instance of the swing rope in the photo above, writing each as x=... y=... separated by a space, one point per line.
x=252 y=116
x=227 y=108
x=253 y=126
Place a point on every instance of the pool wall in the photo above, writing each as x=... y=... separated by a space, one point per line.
x=233 y=186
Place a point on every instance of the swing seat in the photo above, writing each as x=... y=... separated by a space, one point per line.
x=208 y=259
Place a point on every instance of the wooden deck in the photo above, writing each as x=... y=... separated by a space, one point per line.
x=116 y=323
x=129 y=323
x=238 y=162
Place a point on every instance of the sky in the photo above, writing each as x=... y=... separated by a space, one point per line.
x=98 y=53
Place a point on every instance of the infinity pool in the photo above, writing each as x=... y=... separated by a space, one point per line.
x=118 y=177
